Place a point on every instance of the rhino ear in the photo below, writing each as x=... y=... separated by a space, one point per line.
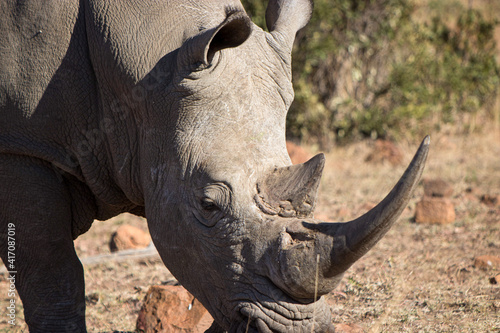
x=232 y=32
x=286 y=17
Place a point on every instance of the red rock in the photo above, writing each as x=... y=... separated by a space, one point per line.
x=129 y=237
x=437 y=188
x=348 y=328
x=297 y=154
x=433 y=210
x=385 y=151
x=172 y=309
x=487 y=261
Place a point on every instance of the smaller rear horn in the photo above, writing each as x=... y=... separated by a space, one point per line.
x=291 y=191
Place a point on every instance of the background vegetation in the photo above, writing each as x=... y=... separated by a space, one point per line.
x=392 y=68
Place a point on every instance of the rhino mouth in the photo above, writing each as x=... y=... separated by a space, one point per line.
x=262 y=317
x=274 y=311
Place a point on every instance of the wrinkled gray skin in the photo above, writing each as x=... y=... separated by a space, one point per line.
x=174 y=110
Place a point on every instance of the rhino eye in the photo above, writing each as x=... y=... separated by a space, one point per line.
x=209 y=213
x=211 y=203
x=208 y=205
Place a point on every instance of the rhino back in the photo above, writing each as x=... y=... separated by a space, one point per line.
x=35 y=37
x=44 y=80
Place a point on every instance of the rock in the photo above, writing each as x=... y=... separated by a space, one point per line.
x=129 y=237
x=490 y=200
x=172 y=309
x=348 y=328
x=385 y=151
x=297 y=154
x=437 y=188
x=487 y=261
x=433 y=210
x=495 y=279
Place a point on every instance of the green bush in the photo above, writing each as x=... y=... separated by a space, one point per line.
x=446 y=72
x=369 y=68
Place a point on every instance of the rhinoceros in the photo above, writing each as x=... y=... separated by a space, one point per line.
x=173 y=110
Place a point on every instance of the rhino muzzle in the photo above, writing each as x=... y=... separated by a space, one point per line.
x=310 y=257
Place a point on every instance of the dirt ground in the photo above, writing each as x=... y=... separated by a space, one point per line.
x=419 y=278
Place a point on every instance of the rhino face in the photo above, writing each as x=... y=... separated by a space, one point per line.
x=229 y=216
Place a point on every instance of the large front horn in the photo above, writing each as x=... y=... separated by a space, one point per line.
x=311 y=256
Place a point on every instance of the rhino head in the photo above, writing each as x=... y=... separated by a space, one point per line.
x=229 y=215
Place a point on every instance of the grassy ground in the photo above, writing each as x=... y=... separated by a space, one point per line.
x=419 y=278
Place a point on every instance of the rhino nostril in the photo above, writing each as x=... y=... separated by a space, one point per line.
x=299 y=233
x=294 y=239
x=300 y=236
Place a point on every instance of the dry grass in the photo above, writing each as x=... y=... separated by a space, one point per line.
x=419 y=278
